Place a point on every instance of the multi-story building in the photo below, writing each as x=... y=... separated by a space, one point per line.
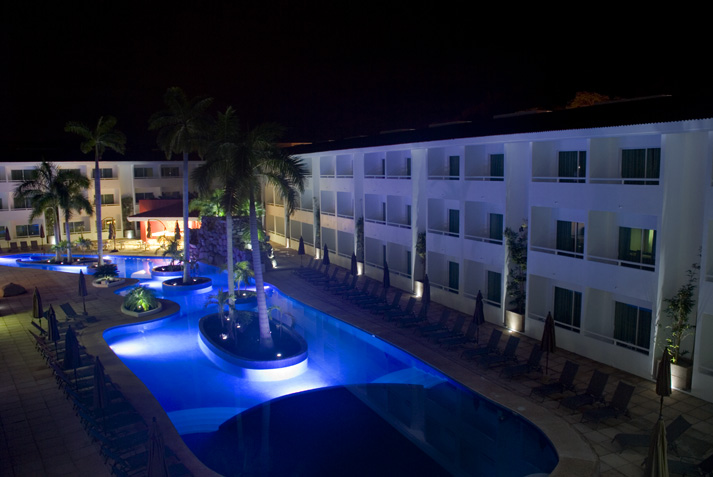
x=617 y=198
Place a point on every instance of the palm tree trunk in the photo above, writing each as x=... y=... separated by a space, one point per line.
x=231 y=263
x=57 y=237
x=186 y=230
x=69 y=241
x=263 y=321
x=98 y=204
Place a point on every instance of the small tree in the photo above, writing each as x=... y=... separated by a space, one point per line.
x=678 y=309
x=242 y=273
x=517 y=272
x=106 y=271
x=140 y=299
x=171 y=250
x=360 y=239
x=421 y=250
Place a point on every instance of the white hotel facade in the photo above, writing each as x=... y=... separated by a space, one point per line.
x=618 y=201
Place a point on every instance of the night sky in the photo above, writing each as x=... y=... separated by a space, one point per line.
x=329 y=71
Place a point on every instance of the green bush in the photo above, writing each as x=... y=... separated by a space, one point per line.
x=140 y=299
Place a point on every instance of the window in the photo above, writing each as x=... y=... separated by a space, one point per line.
x=22 y=175
x=143 y=172
x=170 y=171
x=107 y=222
x=143 y=195
x=632 y=325
x=408 y=167
x=494 y=288
x=76 y=172
x=637 y=246
x=568 y=309
x=30 y=230
x=104 y=173
x=408 y=262
x=496 y=227
x=76 y=227
x=454 y=167
x=497 y=167
x=453 y=221
x=408 y=214
x=108 y=199
x=1 y=207
x=20 y=203
x=573 y=164
x=641 y=164
x=570 y=238
x=453 y=272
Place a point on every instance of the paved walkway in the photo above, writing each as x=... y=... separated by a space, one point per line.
x=42 y=436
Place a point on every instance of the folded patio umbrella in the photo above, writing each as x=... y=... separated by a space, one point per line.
x=177 y=232
x=72 y=358
x=52 y=327
x=37 y=310
x=82 y=290
x=426 y=298
x=548 y=343
x=325 y=259
x=7 y=233
x=99 y=391
x=478 y=314
x=387 y=278
x=354 y=264
x=663 y=378
x=301 y=249
x=157 y=454
x=657 y=459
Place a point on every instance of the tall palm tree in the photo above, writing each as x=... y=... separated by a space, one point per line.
x=43 y=191
x=102 y=137
x=224 y=165
x=182 y=129
x=262 y=161
x=72 y=199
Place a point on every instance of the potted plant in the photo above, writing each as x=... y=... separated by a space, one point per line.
x=106 y=275
x=140 y=301
x=242 y=274
x=678 y=309
x=222 y=299
x=83 y=244
x=517 y=277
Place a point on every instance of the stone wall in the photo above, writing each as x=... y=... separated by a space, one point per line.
x=210 y=246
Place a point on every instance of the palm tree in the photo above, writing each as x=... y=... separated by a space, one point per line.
x=225 y=165
x=43 y=192
x=72 y=199
x=102 y=137
x=264 y=160
x=182 y=128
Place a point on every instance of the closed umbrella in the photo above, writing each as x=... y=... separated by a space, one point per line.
x=157 y=454
x=301 y=249
x=177 y=232
x=148 y=229
x=663 y=378
x=325 y=259
x=478 y=314
x=42 y=236
x=7 y=234
x=37 y=310
x=548 y=343
x=82 y=291
x=657 y=459
x=72 y=358
x=387 y=278
x=52 y=328
x=354 y=264
x=426 y=298
x=112 y=235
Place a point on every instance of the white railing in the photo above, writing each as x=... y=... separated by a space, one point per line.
x=479 y=238
x=374 y=176
x=570 y=180
x=444 y=287
x=443 y=232
x=485 y=178
x=610 y=340
x=447 y=177
x=375 y=221
x=622 y=263
x=554 y=251
x=396 y=224
x=627 y=181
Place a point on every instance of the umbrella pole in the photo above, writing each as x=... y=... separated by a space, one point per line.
x=547 y=363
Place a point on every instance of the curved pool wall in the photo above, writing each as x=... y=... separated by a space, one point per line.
x=458 y=428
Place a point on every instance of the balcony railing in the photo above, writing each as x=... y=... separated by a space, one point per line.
x=623 y=263
x=554 y=251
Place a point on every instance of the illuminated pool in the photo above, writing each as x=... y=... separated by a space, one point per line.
x=360 y=407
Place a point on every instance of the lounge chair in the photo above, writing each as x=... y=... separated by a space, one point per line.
x=704 y=467
x=490 y=347
x=384 y=307
x=618 y=405
x=532 y=364
x=395 y=314
x=24 y=247
x=340 y=290
x=72 y=315
x=13 y=247
x=309 y=266
x=594 y=392
x=415 y=319
x=468 y=337
x=508 y=354
x=338 y=283
x=674 y=430
x=34 y=246
x=324 y=278
x=358 y=292
x=564 y=383
x=376 y=298
x=441 y=324
x=456 y=330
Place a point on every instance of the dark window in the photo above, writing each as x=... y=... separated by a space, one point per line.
x=143 y=172
x=170 y=172
x=568 y=309
x=453 y=272
x=497 y=167
x=108 y=199
x=454 y=167
x=570 y=238
x=31 y=230
x=637 y=246
x=453 y=221
x=632 y=325
x=573 y=164
x=641 y=164
x=22 y=174
x=494 y=287
x=496 y=227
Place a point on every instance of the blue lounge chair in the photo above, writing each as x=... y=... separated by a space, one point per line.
x=564 y=383
x=380 y=309
x=414 y=320
x=441 y=324
x=456 y=330
x=506 y=356
x=618 y=406
x=594 y=392
x=468 y=337
x=490 y=347
x=532 y=364
x=395 y=314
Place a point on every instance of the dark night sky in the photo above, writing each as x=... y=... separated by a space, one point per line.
x=332 y=70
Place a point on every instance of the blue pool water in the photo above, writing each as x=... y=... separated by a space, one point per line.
x=440 y=425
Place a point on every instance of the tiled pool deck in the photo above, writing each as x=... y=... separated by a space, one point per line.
x=42 y=436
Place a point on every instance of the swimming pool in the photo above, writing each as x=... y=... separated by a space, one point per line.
x=399 y=406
